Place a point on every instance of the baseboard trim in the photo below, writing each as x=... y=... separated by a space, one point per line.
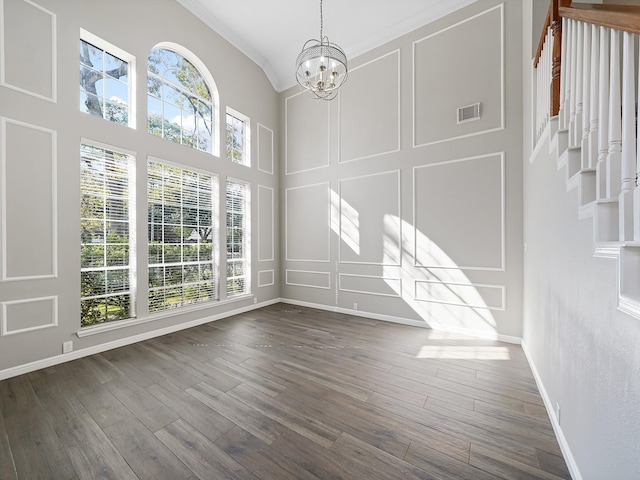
x=407 y=321
x=103 y=347
x=562 y=441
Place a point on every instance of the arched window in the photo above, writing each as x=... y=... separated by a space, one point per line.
x=182 y=100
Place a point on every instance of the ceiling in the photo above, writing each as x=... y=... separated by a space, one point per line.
x=272 y=32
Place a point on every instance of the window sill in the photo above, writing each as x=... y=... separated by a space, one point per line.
x=94 y=330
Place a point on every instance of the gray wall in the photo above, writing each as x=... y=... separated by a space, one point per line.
x=389 y=206
x=584 y=350
x=50 y=137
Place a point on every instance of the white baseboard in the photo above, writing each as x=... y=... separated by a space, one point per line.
x=562 y=441
x=103 y=347
x=406 y=321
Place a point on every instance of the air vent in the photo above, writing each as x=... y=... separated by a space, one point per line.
x=469 y=113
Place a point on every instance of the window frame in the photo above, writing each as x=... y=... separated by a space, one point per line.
x=132 y=242
x=115 y=51
x=246 y=237
x=246 y=136
x=215 y=243
x=211 y=84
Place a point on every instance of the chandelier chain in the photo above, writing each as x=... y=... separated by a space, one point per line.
x=321 y=21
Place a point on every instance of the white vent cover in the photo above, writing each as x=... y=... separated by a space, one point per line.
x=469 y=113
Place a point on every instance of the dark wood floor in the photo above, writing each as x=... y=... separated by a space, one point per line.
x=283 y=393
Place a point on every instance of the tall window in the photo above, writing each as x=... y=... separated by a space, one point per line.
x=238 y=150
x=179 y=102
x=182 y=212
x=105 y=82
x=237 y=238
x=107 y=256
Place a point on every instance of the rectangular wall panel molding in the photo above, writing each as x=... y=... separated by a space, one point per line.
x=459 y=63
x=28 y=201
x=307 y=223
x=28 y=315
x=306 y=132
x=476 y=295
x=309 y=279
x=370 y=219
x=28 y=55
x=266 y=229
x=371 y=128
x=459 y=214
x=266 y=278
x=370 y=285
x=265 y=149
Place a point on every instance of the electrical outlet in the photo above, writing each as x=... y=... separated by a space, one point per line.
x=67 y=347
x=355 y=306
x=255 y=300
x=558 y=412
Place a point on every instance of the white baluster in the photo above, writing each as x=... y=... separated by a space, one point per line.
x=592 y=136
x=574 y=60
x=563 y=74
x=636 y=190
x=577 y=124
x=567 y=56
x=628 y=137
x=615 y=120
x=586 y=95
x=603 y=114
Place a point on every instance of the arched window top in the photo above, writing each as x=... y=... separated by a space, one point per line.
x=182 y=99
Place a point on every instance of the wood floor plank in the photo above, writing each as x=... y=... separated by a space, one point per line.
x=443 y=466
x=150 y=411
x=283 y=392
x=449 y=424
x=205 y=459
x=505 y=467
x=248 y=451
x=209 y=422
x=293 y=419
x=243 y=375
x=56 y=400
x=376 y=463
x=147 y=456
x=35 y=447
x=7 y=465
x=91 y=452
x=245 y=417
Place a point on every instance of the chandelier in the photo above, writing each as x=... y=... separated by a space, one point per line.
x=321 y=67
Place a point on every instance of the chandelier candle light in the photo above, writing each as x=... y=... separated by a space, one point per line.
x=321 y=67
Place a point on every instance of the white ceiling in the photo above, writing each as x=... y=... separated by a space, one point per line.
x=272 y=32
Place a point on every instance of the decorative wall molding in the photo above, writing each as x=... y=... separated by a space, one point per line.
x=502 y=266
x=54 y=54
x=263 y=206
x=287 y=170
x=53 y=205
x=5 y=309
x=502 y=78
x=340 y=109
x=389 y=282
x=458 y=290
x=266 y=278
x=265 y=165
x=325 y=276
x=326 y=255
x=399 y=215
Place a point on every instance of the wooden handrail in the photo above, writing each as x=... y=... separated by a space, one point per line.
x=619 y=17
x=547 y=24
